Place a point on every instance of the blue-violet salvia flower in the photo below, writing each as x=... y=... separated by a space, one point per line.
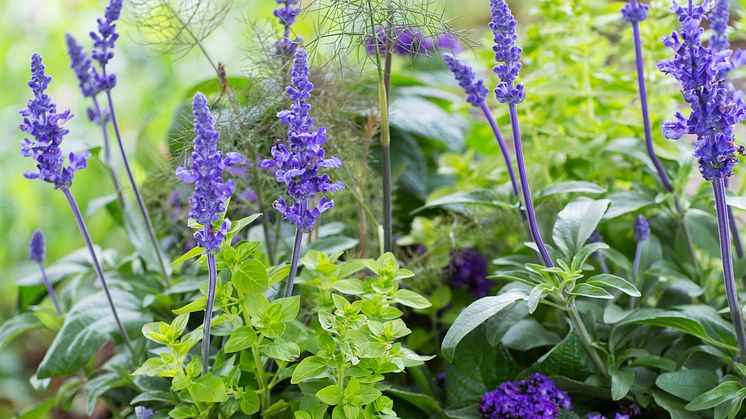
x=507 y=54
x=103 y=43
x=287 y=13
x=702 y=74
x=81 y=65
x=36 y=247
x=475 y=90
x=642 y=228
x=534 y=397
x=634 y=11
x=205 y=171
x=45 y=125
x=298 y=161
x=719 y=24
x=142 y=412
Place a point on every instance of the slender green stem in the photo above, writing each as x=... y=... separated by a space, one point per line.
x=212 y=287
x=261 y=378
x=138 y=196
x=585 y=337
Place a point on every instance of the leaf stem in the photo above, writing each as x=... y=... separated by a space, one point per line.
x=585 y=337
x=212 y=273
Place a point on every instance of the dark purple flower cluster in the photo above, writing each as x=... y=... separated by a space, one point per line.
x=719 y=24
x=298 y=162
x=410 y=41
x=468 y=269
x=42 y=122
x=205 y=172
x=702 y=74
x=642 y=228
x=287 y=13
x=534 y=397
x=634 y=11
x=507 y=54
x=36 y=248
x=475 y=90
x=625 y=412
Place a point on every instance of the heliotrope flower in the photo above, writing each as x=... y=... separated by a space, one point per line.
x=287 y=13
x=205 y=171
x=702 y=74
x=45 y=127
x=410 y=41
x=469 y=269
x=507 y=54
x=534 y=397
x=299 y=161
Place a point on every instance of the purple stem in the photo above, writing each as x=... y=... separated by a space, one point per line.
x=96 y=264
x=721 y=209
x=503 y=147
x=50 y=289
x=107 y=155
x=644 y=104
x=734 y=229
x=135 y=189
x=525 y=190
x=213 y=275
x=295 y=257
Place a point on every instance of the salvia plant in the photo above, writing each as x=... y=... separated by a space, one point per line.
x=355 y=244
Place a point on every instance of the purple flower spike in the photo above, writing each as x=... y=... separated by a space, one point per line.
x=298 y=162
x=634 y=12
x=534 y=397
x=719 y=24
x=702 y=74
x=475 y=90
x=36 y=247
x=81 y=65
x=103 y=43
x=642 y=228
x=507 y=54
x=287 y=13
x=205 y=171
x=45 y=125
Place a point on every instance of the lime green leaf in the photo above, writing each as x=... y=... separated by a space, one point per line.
x=307 y=369
x=330 y=395
x=251 y=276
x=411 y=299
x=208 y=389
x=241 y=338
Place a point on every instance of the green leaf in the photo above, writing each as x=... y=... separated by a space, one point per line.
x=727 y=390
x=687 y=384
x=283 y=351
x=250 y=402
x=330 y=395
x=334 y=244
x=192 y=253
x=208 y=388
x=576 y=222
x=290 y=307
x=183 y=412
x=241 y=338
x=196 y=305
x=239 y=225
x=570 y=187
x=483 y=198
x=309 y=368
x=613 y=281
x=250 y=276
x=528 y=334
x=86 y=328
x=478 y=367
x=591 y=291
x=16 y=326
x=621 y=381
x=673 y=406
x=423 y=402
x=97 y=386
x=568 y=359
x=411 y=299
x=475 y=314
x=432 y=121
x=626 y=202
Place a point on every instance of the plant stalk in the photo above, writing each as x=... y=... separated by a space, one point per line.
x=525 y=190
x=50 y=289
x=295 y=257
x=721 y=210
x=107 y=156
x=212 y=272
x=96 y=265
x=585 y=338
x=138 y=196
x=503 y=147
